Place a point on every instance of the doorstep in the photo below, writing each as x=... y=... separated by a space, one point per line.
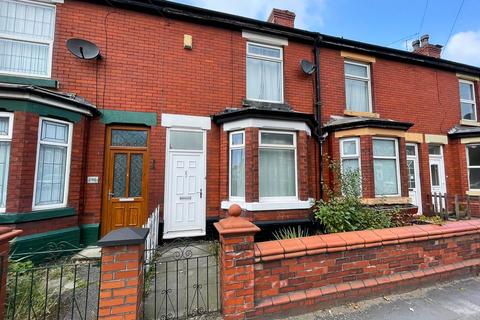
x=88 y=254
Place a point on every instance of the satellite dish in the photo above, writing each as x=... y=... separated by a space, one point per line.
x=83 y=49
x=307 y=67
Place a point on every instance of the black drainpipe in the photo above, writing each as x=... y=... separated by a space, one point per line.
x=318 y=109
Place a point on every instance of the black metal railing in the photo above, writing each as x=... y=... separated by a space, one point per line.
x=181 y=281
x=62 y=288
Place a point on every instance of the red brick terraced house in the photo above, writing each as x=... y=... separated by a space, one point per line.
x=187 y=111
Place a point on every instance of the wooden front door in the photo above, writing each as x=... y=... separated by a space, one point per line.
x=125 y=185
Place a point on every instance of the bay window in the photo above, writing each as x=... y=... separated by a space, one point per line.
x=237 y=166
x=357 y=86
x=26 y=37
x=264 y=73
x=6 y=130
x=277 y=166
x=386 y=167
x=350 y=160
x=53 y=163
x=467 y=100
x=473 y=165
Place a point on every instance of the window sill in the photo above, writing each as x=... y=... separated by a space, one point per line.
x=48 y=207
x=39 y=82
x=361 y=114
x=267 y=206
x=386 y=200
x=7 y=218
x=471 y=123
x=473 y=193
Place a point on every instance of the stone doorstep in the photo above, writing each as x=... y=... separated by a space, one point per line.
x=90 y=253
x=359 y=284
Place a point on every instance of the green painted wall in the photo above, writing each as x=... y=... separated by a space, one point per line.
x=40 y=109
x=9 y=218
x=89 y=234
x=128 y=117
x=45 y=83
x=67 y=238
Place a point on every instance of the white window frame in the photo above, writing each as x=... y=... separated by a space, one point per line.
x=278 y=146
x=67 y=165
x=397 y=161
x=356 y=156
x=368 y=79
x=266 y=58
x=472 y=84
x=24 y=38
x=230 y=148
x=469 y=166
x=7 y=138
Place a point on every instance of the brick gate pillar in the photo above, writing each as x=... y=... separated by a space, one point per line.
x=6 y=234
x=121 y=277
x=236 y=264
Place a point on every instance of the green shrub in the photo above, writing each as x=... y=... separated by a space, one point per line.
x=290 y=233
x=373 y=219
x=344 y=211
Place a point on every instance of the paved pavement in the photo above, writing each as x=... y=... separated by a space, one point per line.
x=457 y=300
x=182 y=281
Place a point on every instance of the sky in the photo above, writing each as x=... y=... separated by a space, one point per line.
x=454 y=24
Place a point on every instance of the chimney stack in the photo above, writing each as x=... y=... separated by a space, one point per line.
x=424 y=47
x=282 y=17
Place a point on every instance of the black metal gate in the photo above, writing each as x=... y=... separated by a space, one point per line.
x=181 y=280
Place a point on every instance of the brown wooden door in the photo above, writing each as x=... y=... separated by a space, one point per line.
x=125 y=195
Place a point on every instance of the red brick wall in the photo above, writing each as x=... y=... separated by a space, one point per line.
x=405 y=92
x=121 y=282
x=427 y=97
x=312 y=272
x=144 y=67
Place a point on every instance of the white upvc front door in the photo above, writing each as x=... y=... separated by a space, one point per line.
x=414 y=187
x=185 y=184
x=437 y=173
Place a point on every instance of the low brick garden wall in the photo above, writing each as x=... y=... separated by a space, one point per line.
x=328 y=269
x=297 y=275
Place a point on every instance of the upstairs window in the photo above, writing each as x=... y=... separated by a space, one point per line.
x=264 y=73
x=277 y=166
x=473 y=164
x=467 y=100
x=26 y=37
x=357 y=86
x=53 y=163
x=237 y=165
x=386 y=167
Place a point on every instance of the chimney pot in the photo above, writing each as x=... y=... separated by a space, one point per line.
x=416 y=44
x=424 y=40
x=282 y=17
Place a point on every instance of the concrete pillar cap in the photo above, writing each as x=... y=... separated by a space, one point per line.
x=234 y=224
